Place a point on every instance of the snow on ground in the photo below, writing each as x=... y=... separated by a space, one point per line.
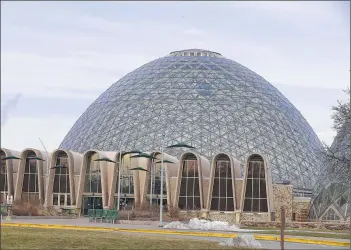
x=247 y=241
x=205 y=225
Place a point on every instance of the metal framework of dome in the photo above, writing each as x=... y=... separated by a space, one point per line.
x=208 y=101
x=332 y=200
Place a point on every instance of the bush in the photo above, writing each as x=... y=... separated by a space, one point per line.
x=173 y=212
x=25 y=208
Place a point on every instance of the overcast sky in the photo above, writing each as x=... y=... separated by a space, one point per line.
x=58 y=57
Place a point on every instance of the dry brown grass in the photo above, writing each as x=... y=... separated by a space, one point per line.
x=33 y=238
x=25 y=208
x=32 y=208
x=150 y=213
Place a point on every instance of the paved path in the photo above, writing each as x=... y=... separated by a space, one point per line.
x=265 y=244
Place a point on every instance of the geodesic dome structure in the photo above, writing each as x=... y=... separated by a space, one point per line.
x=204 y=99
x=332 y=199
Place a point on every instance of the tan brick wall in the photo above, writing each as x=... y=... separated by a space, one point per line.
x=227 y=217
x=301 y=208
x=283 y=196
x=257 y=217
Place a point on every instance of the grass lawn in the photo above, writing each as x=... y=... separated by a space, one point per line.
x=336 y=234
x=33 y=238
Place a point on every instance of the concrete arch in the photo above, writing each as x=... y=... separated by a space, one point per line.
x=40 y=172
x=235 y=172
x=74 y=161
x=171 y=170
x=11 y=169
x=127 y=162
x=204 y=173
x=104 y=170
x=269 y=184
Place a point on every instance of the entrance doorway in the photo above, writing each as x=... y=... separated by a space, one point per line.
x=91 y=202
x=61 y=200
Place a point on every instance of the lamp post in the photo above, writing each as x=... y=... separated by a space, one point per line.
x=119 y=171
x=11 y=157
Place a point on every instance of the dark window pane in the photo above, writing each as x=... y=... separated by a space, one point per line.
x=68 y=200
x=32 y=181
x=25 y=183
x=56 y=188
x=263 y=205
x=131 y=184
x=197 y=203
x=185 y=169
x=250 y=171
x=183 y=187
x=263 y=192
x=247 y=205
x=217 y=171
x=256 y=169
x=196 y=187
x=32 y=166
x=214 y=204
x=62 y=200
x=222 y=204
x=256 y=186
x=230 y=204
x=249 y=188
x=215 y=188
x=55 y=199
x=262 y=173
x=229 y=171
x=190 y=203
x=255 y=205
x=190 y=187
x=229 y=188
x=182 y=203
x=222 y=187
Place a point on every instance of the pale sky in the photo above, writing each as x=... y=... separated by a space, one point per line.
x=60 y=56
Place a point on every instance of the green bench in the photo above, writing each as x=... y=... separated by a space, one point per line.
x=3 y=210
x=104 y=215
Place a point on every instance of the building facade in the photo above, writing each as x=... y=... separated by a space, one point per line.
x=214 y=189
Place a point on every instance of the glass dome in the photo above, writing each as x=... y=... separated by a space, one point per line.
x=204 y=99
x=332 y=200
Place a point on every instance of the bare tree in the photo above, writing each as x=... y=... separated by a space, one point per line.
x=342 y=114
x=338 y=154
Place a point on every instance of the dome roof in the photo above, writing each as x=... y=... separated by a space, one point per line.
x=204 y=99
x=332 y=191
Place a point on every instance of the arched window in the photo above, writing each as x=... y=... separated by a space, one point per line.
x=93 y=175
x=127 y=184
x=157 y=179
x=155 y=174
x=189 y=195
x=61 y=189
x=3 y=177
x=222 y=192
x=30 y=188
x=256 y=190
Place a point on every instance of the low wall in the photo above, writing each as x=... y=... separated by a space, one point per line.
x=255 y=217
x=225 y=217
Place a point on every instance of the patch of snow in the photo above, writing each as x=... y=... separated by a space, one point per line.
x=244 y=241
x=205 y=225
